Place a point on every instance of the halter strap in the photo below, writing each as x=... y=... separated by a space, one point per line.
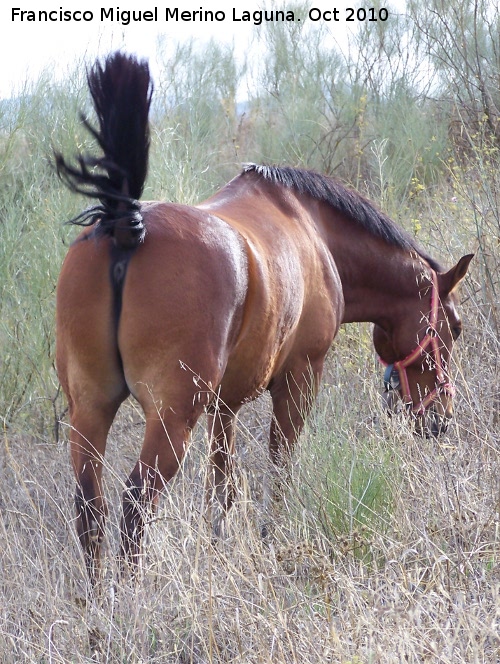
x=430 y=339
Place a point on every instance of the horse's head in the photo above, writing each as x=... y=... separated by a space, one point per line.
x=416 y=349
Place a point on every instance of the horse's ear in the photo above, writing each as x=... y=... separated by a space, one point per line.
x=448 y=281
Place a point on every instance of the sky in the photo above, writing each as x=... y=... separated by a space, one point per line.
x=29 y=47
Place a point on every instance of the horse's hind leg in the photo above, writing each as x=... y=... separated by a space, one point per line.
x=89 y=430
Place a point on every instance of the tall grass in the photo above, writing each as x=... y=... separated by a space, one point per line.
x=385 y=548
x=32 y=207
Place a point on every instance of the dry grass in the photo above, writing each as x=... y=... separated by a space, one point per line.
x=412 y=577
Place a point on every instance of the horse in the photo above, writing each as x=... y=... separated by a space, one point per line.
x=200 y=309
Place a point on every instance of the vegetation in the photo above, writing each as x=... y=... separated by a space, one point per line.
x=386 y=546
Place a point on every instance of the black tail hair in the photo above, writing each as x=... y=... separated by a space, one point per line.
x=121 y=90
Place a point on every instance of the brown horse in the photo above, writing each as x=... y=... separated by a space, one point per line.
x=194 y=309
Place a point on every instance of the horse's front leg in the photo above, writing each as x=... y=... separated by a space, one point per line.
x=293 y=393
x=165 y=443
x=220 y=488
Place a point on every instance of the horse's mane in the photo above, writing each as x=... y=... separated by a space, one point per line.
x=347 y=201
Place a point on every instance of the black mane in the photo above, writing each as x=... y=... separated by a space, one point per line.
x=347 y=201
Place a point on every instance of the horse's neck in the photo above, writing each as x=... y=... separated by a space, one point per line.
x=378 y=279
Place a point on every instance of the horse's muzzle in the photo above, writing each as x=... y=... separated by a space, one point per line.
x=432 y=424
x=428 y=421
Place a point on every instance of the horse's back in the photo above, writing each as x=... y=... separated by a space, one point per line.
x=209 y=305
x=291 y=269
x=224 y=303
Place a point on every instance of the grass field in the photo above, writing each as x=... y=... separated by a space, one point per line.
x=386 y=547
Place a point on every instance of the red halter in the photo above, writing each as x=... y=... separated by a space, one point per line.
x=430 y=339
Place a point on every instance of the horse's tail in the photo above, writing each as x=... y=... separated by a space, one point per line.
x=121 y=91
